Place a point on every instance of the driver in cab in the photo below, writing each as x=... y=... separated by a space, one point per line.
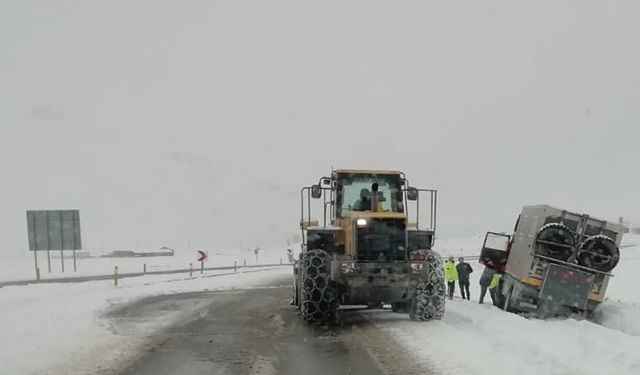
x=364 y=202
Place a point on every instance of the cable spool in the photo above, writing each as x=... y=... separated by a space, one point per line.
x=556 y=241
x=599 y=253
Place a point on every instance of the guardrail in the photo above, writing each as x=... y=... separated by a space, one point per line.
x=81 y=279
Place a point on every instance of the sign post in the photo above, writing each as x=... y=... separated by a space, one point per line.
x=202 y=256
x=49 y=260
x=35 y=257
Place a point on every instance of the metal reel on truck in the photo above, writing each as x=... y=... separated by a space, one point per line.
x=556 y=241
x=599 y=252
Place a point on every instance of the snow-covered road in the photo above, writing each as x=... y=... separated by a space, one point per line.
x=61 y=329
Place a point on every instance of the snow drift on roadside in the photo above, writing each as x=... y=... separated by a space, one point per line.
x=481 y=339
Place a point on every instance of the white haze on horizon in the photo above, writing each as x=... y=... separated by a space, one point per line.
x=176 y=122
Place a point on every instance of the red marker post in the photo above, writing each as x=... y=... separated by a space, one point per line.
x=202 y=256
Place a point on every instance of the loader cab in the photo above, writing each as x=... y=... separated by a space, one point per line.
x=368 y=192
x=368 y=215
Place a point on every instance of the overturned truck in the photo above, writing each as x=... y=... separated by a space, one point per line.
x=556 y=263
x=366 y=252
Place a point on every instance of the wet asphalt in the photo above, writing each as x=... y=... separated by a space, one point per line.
x=257 y=332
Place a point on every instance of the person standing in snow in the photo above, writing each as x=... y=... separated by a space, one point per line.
x=485 y=282
x=451 y=275
x=464 y=270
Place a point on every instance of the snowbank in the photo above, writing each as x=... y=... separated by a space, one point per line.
x=482 y=339
x=621 y=316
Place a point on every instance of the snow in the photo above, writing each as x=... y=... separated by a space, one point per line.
x=482 y=339
x=61 y=328
x=56 y=328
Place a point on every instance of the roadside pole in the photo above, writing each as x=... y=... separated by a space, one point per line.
x=190 y=269
x=49 y=260
x=75 y=269
x=35 y=257
x=201 y=267
x=115 y=276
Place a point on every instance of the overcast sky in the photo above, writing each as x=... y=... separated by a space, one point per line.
x=168 y=122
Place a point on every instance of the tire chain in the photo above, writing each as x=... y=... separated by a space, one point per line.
x=429 y=302
x=319 y=297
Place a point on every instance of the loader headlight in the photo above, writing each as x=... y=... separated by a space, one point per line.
x=361 y=222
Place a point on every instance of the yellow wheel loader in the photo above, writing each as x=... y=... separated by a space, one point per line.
x=367 y=252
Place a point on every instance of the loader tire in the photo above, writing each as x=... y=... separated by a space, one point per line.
x=429 y=301
x=319 y=294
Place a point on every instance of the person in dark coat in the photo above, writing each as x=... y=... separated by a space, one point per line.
x=464 y=270
x=485 y=281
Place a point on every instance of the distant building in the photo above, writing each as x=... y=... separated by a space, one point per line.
x=162 y=252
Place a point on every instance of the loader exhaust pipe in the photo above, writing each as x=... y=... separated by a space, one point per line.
x=374 y=197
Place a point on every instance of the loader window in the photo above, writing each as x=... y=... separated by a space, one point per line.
x=352 y=186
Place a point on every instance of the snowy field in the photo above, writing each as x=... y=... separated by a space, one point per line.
x=22 y=268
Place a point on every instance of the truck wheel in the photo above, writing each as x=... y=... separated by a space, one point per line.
x=319 y=294
x=429 y=301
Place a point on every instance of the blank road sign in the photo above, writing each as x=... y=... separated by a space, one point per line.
x=54 y=230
